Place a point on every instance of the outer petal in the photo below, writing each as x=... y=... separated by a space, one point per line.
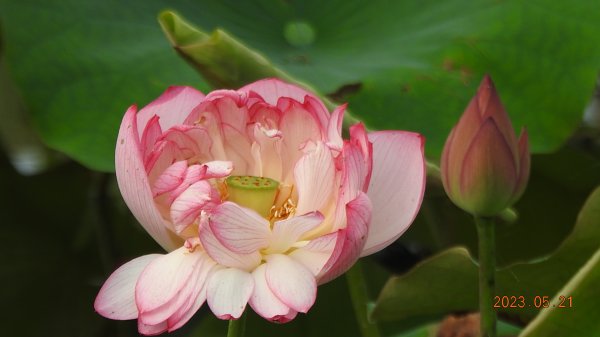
x=524 y=165
x=164 y=278
x=489 y=174
x=239 y=229
x=291 y=282
x=462 y=134
x=151 y=330
x=491 y=106
x=263 y=301
x=173 y=106
x=445 y=166
x=397 y=186
x=134 y=186
x=116 y=299
x=228 y=290
x=196 y=298
x=351 y=240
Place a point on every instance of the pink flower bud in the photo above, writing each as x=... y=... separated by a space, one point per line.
x=484 y=167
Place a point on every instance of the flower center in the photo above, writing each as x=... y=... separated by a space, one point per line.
x=257 y=193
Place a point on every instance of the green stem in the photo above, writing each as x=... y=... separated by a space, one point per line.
x=360 y=300
x=487 y=274
x=237 y=327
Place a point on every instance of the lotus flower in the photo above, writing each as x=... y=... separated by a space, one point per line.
x=256 y=198
x=484 y=167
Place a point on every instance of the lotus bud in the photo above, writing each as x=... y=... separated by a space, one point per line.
x=484 y=166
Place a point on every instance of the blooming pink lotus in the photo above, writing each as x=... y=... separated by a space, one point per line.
x=257 y=199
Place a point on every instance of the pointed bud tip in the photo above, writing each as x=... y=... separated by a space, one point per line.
x=487 y=81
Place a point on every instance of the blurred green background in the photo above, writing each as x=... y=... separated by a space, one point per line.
x=69 y=69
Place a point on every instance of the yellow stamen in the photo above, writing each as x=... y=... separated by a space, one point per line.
x=285 y=211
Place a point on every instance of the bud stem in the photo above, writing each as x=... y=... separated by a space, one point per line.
x=487 y=274
x=360 y=300
x=237 y=327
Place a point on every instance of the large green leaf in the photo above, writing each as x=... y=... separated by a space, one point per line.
x=420 y=62
x=81 y=63
x=579 y=317
x=221 y=59
x=448 y=282
x=529 y=48
x=23 y=146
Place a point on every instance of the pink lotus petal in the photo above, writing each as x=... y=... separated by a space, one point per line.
x=357 y=169
x=188 y=205
x=291 y=282
x=317 y=252
x=489 y=155
x=191 y=141
x=134 y=185
x=151 y=330
x=284 y=319
x=360 y=139
x=172 y=107
x=445 y=162
x=236 y=148
x=524 y=164
x=151 y=134
x=228 y=291
x=314 y=173
x=240 y=230
x=265 y=114
x=272 y=89
x=491 y=106
x=171 y=178
x=116 y=299
x=266 y=151
x=334 y=128
x=223 y=255
x=173 y=305
x=355 y=162
x=192 y=175
x=298 y=126
x=461 y=134
x=317 y=109
x=163 y=155
x=263 y=301
x=186 y=312
x=163 y=278
x=289 y=231
x=397 y=186
x=350 y=245
x=232 y=110
x=195 y=299
x=217 y=169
